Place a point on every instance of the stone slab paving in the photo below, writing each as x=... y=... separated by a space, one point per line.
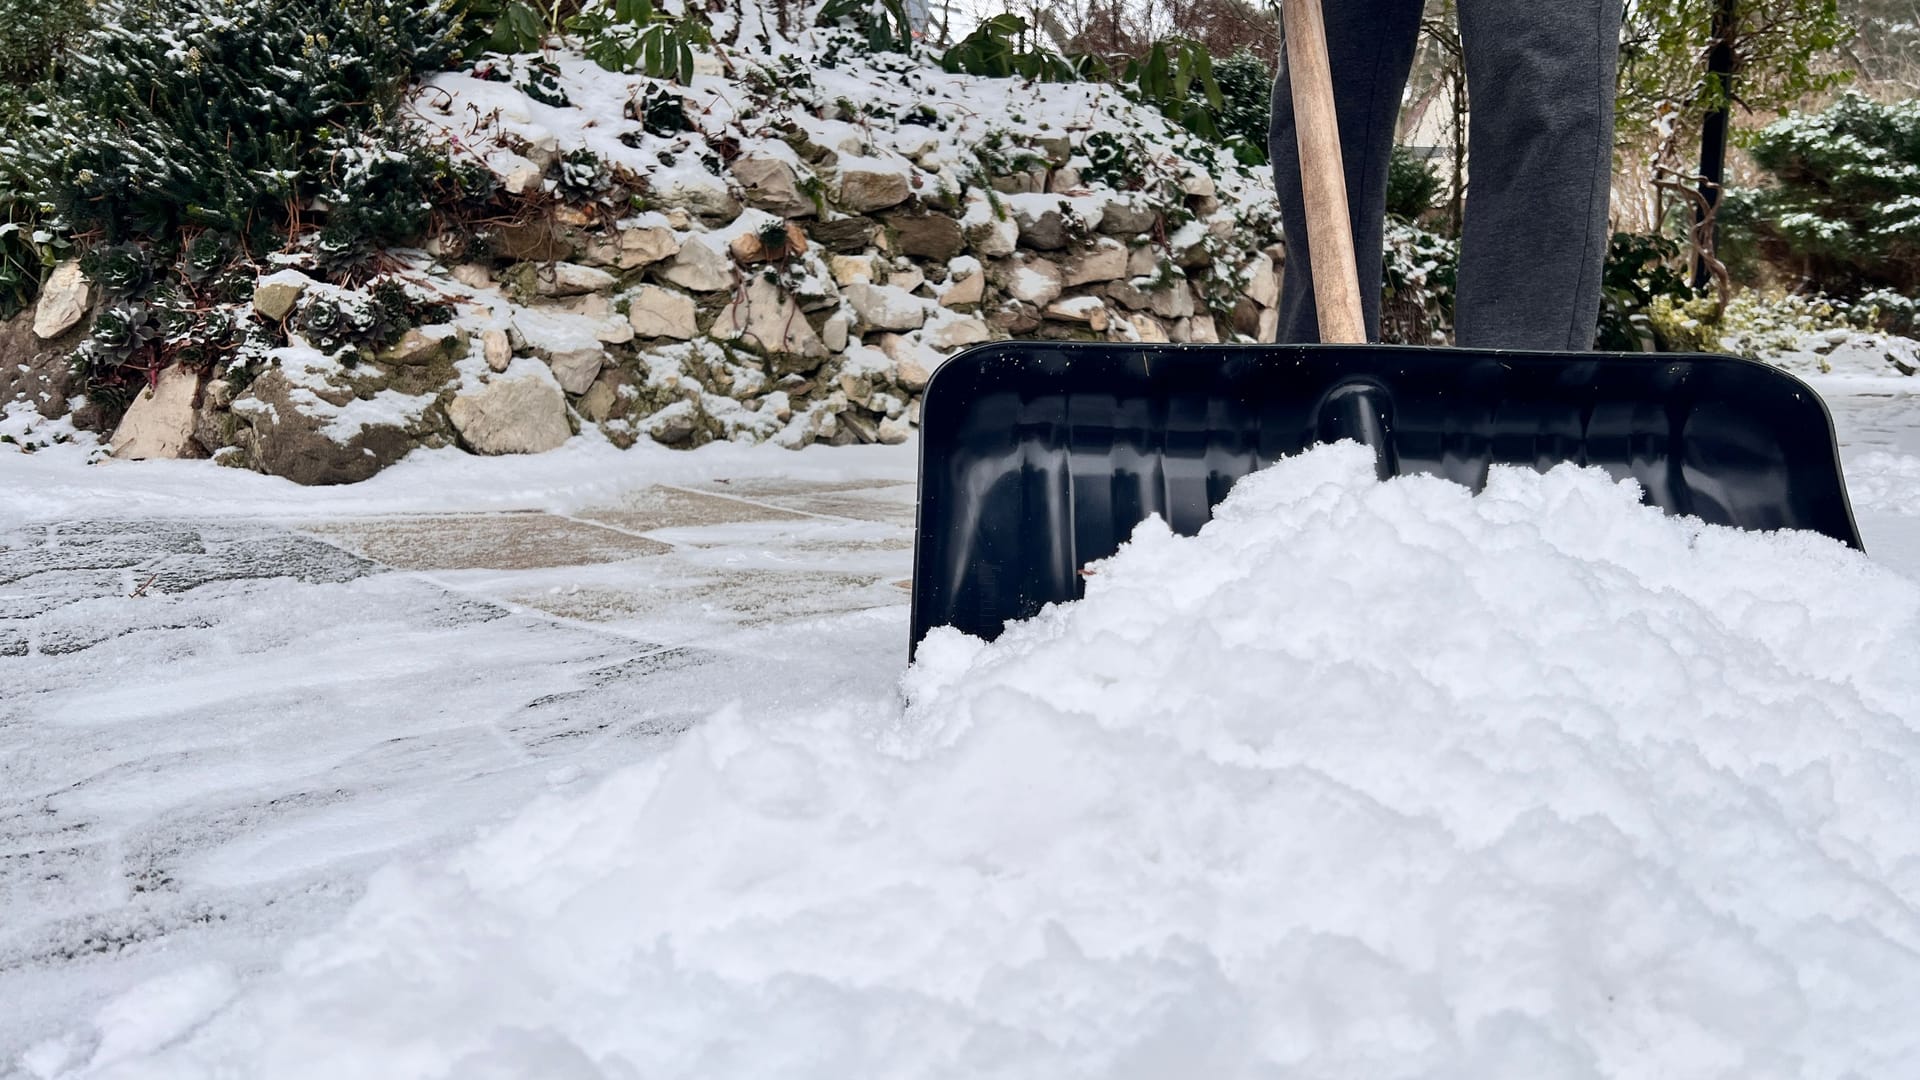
x=485 y=541
x=211 y=731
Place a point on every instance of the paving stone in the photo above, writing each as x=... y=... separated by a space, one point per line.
x=485 y=541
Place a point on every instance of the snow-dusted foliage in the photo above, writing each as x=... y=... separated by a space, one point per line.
x=1843 y=205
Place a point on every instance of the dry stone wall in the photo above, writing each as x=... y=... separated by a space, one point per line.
x=794 y=274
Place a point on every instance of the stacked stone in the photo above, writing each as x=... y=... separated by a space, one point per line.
x=805 y=297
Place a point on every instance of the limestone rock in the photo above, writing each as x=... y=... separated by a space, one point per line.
x=925 y=234
x=952 y=331
x=966 y=283
x=657 y=312
x=1202 y=331
x=1034 y=281
x=910 y=374
x=1128 y=294
x=993 y=238
x=1105 y=261
x=275 y=294
x=886 y=307
x=772 y=185
x=1245 y=318
x=497 y=348
x=423 y=345
x=289 y=430
x=1079 y=309
x=562 y=279
x=34 y=371
x=894 y=431
x=600 y=401
x=1263 y=282
x=575 y=369
x=1198 y=184
x=1149 y=329
x=847 y=235
x=834 y=332
x=1015 y=319
x=698 y=193
x=1127 y=217
x=1041 y=229
x=630 y=249
x=700 y=266
x=851 y=269
x=64 y=300
x=519 y=412
x=768 y=321
x=1173 y=301
x=160 y=421
x=907 y=277
x=521 y=175
x=472 y=275
x=865 y=184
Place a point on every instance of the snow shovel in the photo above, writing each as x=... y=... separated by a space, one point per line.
x=1037 y=458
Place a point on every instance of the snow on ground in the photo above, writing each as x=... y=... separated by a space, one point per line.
x=1351 y=785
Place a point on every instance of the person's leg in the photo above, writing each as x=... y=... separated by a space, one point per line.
x=1540 y=79
x=1370 y=46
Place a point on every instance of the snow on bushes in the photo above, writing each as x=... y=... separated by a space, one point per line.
x=1368 y=780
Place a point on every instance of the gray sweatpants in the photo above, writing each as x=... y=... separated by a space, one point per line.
x=1540 y=74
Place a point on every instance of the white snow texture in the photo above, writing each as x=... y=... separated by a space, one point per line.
x=1367 y=780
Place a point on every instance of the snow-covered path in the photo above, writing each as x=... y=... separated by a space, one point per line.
x=224 y=701
x=213 y=727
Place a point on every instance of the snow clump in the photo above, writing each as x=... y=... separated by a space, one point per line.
x=1367 y=780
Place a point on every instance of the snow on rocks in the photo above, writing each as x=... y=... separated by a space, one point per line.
x=865 y=184
x=304 y=419
x=886 y=307
x=518 y=411
x=1349 y=785
x=275 y=294
x=1033 y=280
x=613 y=240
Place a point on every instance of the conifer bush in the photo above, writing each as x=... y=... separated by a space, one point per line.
x=1843 y=207
x=235 y=117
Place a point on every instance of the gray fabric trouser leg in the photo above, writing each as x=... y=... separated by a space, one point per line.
x=1540 y=145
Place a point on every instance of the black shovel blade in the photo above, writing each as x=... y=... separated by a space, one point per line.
x=1038 y=458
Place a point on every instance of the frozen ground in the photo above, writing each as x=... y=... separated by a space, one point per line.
x=225 y=702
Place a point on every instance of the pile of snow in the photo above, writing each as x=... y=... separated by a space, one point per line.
x=1367 y=780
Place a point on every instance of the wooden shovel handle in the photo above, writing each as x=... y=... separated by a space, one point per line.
x=1323 y=177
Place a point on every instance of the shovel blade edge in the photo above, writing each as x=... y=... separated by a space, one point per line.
x=1037 y=458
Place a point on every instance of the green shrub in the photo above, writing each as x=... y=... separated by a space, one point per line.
x=1417 y=291
x=236 y=119
x=1005 y=46
x=1246 y=104
x=883 y=23
x=1637 y=272
x=1412 y=185
x=35 y=33
x=1843 y=208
